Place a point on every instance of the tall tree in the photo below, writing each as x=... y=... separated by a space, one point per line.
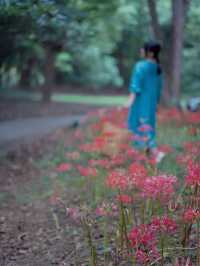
x=173 y=46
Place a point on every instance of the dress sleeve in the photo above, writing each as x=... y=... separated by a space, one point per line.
x=136 y=79
x=160 y=87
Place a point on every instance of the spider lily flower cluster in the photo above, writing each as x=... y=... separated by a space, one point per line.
x=150 y=216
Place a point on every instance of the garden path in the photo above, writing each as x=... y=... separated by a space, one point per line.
x=29 y=128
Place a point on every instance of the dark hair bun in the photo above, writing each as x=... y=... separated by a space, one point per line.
x=155 y=48
x=152 y=46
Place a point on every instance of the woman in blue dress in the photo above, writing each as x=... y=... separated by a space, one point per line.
x=145 y=90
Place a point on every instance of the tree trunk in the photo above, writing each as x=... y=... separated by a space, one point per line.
x=155 y=26
x=172 y=47
x=179 y=12
x=178 y=15
x=49 y=73
x=157 y=34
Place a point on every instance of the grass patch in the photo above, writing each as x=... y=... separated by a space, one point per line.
x=90 y=99
x=67 y=98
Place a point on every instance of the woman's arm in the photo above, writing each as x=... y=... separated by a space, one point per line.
x=131 y=99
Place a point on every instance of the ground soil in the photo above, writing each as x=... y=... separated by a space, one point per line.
x=29 y=234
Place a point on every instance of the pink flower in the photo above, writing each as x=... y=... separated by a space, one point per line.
x=118 y=179
x=193 y=177
x=190 y=215
x=117 y=160
x=159 y=187
x=193 y=148
x=141 y=256
x=143 y=240
x=138 y=174
x=144 y=256
x=126 y=199
x=87 y=171
x=183 y=159
x=165 y=225
x=64 y=167
x=104 y=163
x=142 y=235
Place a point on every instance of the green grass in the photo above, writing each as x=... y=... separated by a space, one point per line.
x=90 y=99
x=100 y=100
x=174 y=136
x=67 y=98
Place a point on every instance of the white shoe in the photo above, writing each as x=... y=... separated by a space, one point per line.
x=159 y=156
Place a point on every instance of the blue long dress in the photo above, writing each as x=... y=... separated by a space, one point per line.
x=146 y=83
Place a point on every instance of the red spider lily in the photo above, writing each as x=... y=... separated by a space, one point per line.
x=192 y=149
x=132 y=153
x=64 y=167
x=126 y=199
x=104 y=163
x=191 y=215
x=159 y=187
x=87 y=171
x=109 y=134
x=97 y=145
x=168 y=115
x=183 y=159
x=115 y=116
x=143 y=239
x=164 y=224
x=193 y=118
x=117 y=160
x=118 y=179
x=144 y=256
x=136 y=155
x=99 y=142
x=193 y=176
x=142 y=235
x=138 y=174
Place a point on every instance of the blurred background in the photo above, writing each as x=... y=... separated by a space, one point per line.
x=51 y=50
x=60 y=62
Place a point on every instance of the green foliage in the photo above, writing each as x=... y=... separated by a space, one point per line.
x=94 y=43
x=63 y=62
x=191 y=51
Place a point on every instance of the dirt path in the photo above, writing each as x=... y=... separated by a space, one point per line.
x=27 y=129
x=29 y=235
